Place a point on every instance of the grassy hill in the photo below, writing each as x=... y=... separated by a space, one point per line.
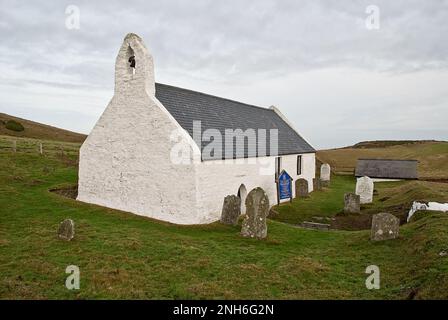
x=121 y=255
x=432 y=156
x=38 y=131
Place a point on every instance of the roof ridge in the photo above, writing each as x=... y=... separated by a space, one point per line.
x=214 y=96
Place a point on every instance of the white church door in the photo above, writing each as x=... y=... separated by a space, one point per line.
x=242 y=193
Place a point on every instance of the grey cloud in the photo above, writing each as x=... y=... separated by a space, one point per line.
x=222 y=46
x=257 y=37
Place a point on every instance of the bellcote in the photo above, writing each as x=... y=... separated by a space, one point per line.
x=134 y=66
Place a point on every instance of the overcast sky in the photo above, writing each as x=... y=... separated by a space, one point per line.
x=338 y=81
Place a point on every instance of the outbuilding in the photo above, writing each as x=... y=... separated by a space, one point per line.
x=387 y=169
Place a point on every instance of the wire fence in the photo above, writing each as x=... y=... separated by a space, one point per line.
x=34 y=146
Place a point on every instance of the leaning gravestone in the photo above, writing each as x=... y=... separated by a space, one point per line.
x=66 y=230
x=325 y=174
x=385 y=226
x=317 y=185
x=257 y=209
x=352 y=203
x=231 y=210
x=364 y=188
x=302 y=188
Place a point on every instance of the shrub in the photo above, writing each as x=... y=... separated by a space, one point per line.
x=14 y=126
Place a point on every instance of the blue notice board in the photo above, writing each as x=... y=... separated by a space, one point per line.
x=285 y=186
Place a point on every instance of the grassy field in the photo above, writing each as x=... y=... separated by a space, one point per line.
x=432 y=156
x=125 y=256
x=32 y=146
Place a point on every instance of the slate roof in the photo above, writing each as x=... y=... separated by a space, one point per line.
x=387 y=169
x=187 y=106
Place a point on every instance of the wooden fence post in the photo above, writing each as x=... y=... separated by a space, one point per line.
x=41 y=148
x=14 y=146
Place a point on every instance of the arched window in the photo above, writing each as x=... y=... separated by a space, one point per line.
x=131 y=60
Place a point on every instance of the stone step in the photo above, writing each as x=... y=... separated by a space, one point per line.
x=315 y=226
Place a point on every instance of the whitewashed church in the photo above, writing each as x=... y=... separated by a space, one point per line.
x=150 y=152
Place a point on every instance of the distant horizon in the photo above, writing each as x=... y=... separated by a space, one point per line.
x=317 y=149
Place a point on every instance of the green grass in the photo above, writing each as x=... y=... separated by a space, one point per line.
x=124 y=256
x=325 y=203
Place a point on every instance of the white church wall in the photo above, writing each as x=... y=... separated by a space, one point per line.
x=133 y=172
x=125 y=162
x=217 y=179
x=289 y=163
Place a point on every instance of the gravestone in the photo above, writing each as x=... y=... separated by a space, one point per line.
x=325 y=174
x=302 y=188
x=66 y=230
x=385 y=226
x=317 y=185
x=231 y=210
x=352 y=203
x=364 y=188
x=257 y=209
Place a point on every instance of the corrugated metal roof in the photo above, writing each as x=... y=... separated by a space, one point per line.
x=217 y=113
x=387 y=168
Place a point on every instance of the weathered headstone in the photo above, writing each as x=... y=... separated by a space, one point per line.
x=231 y=210
x=385 y=226
x=302 y=188
x=66 y=230
x=352 y=203
x=364 y=188
x=257 y=208
x=325 y=174
x=317 y=185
